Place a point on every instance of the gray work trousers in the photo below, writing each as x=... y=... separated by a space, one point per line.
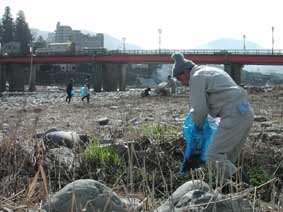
x=230 y=136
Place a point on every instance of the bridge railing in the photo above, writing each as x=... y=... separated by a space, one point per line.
x=103 y=51
x=184 y=51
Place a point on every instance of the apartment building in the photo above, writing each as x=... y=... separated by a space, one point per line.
x=66 y=34
x=63 y=33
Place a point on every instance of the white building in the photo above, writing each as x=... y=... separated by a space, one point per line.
x=66 y=34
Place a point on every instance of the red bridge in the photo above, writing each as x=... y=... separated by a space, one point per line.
x=243 y=57
x=109 y=66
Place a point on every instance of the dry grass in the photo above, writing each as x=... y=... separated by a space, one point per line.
x=151 y=164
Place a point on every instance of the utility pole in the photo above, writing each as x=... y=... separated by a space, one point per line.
x=31 y=74
x=124 y=43
x=244 y=37
x=159 y=39
x=272 y=29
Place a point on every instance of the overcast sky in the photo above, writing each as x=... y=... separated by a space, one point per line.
x=185 y=24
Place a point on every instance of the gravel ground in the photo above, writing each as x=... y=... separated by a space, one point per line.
x=40 y=111
x=25 y=114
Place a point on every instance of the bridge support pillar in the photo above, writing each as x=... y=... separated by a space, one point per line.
x=235 y=71
x=16 y=77
x=32 y=77
x=110 y=77
x=2 y=78
x=122 y=77
x=97 y=70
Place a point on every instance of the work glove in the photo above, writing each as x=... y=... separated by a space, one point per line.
x=192 y=163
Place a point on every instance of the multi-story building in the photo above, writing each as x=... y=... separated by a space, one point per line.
x=63 y=37
x=63 y=33
x=66 y=34
x=88 y=41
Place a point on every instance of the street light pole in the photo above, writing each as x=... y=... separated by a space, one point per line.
x=124 y=43
x=159 y=39
x=244 y=37
x=272 y=29
x=31 y=74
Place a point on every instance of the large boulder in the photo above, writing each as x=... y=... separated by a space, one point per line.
x=195 y=196
x=87 y=194
x=62 y=138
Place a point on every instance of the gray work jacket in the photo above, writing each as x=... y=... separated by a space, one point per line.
x=213 y=92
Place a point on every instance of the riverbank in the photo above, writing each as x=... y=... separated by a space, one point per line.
x=154 y=122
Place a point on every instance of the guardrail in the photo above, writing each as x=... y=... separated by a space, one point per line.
x=99 y=52
x=184 y=51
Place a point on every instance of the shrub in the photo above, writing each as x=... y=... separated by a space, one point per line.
x=257 y=176
x=160 y=131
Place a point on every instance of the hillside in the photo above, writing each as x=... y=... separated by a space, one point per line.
x=227 y=43
x=114 y=43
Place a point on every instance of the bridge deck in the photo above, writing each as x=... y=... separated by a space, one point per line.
x=256 y=57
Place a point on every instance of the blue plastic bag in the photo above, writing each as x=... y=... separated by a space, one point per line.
x=197 y=141
x=243 y=108
x=73 y=92
x=84 y=91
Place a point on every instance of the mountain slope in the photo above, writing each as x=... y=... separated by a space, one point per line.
x=226 y=43
x=36 y=33
x=114 y=43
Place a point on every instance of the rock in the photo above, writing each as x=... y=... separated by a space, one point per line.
x=89 y=194
x=61 y=138
x=276 y=136
x=114 y=107
x=43 y=134
x=51 y=130
x=103 y=121
x=260 y=119
x=133 y=204
x=266 y=124
x=1 y=137
x=5 y=126
x=195 y=196
x=120 y=148
x=5 y=209
x=37 y=110
x=181 y=191
x=148 y=119
x=63 y=157
x=275 y=139
x=84 y=138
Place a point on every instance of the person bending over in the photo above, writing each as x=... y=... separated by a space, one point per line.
x=215 y=93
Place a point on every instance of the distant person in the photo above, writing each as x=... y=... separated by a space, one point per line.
x=86 y=91
x=162 y=89
x=87 y=79
x=69 y=90
x=7 y=86
x=171 y=84
x=146 y=92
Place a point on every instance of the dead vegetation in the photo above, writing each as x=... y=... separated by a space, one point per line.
x=149 y=156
